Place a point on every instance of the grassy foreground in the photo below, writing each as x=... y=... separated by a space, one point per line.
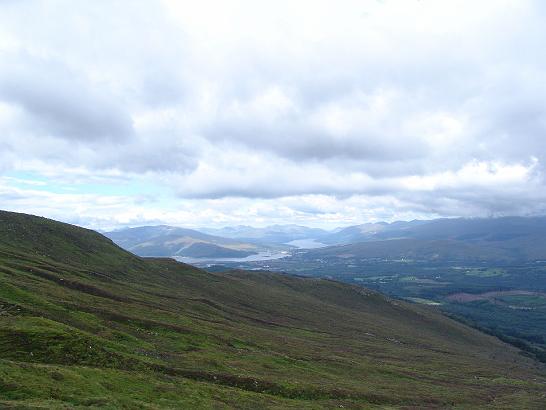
x=86 y=324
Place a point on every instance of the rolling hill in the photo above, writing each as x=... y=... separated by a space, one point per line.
x=416 y=250
x=462 y=229
x=487 y=239
x=84 y=323
x=172 y=241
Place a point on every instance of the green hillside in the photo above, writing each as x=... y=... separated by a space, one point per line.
x=85 y=324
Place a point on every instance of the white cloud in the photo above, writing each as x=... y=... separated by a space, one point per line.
x=335 y=112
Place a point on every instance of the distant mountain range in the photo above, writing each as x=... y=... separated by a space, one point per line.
x=228 y=242
x=499 y=239
x=274 y=234
x=509 y=238
x=172 y=241
x=472 y=229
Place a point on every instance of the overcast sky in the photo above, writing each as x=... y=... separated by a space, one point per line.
x=322 y=113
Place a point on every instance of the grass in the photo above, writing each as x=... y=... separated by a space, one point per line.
x=530 y=301
x=85 y=324
x=486 y=272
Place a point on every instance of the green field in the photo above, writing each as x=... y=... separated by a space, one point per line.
x=486 y=272
x=526 y=301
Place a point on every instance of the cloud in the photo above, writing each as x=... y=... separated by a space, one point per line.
x=358 y=126
x=58 y=102
x=364 y=109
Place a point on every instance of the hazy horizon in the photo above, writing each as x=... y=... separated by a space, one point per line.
x=205 y=228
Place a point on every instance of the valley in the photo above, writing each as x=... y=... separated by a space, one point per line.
x=446 y=263
x=465 y=268
x=87 y=324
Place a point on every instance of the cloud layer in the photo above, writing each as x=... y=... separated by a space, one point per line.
x=249 y=112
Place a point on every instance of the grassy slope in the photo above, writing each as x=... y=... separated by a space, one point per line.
x=84 y=323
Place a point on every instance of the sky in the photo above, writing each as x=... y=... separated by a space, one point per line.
x=320 y=113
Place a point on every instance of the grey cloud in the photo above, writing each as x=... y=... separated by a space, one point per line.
x=162 y=87
x=511 y=123
x=300 y=142
x=149 y=155
x=60 y=102
x=128 y=87
x=484 y=202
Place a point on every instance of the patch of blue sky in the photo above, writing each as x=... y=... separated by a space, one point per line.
x=106 y=186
